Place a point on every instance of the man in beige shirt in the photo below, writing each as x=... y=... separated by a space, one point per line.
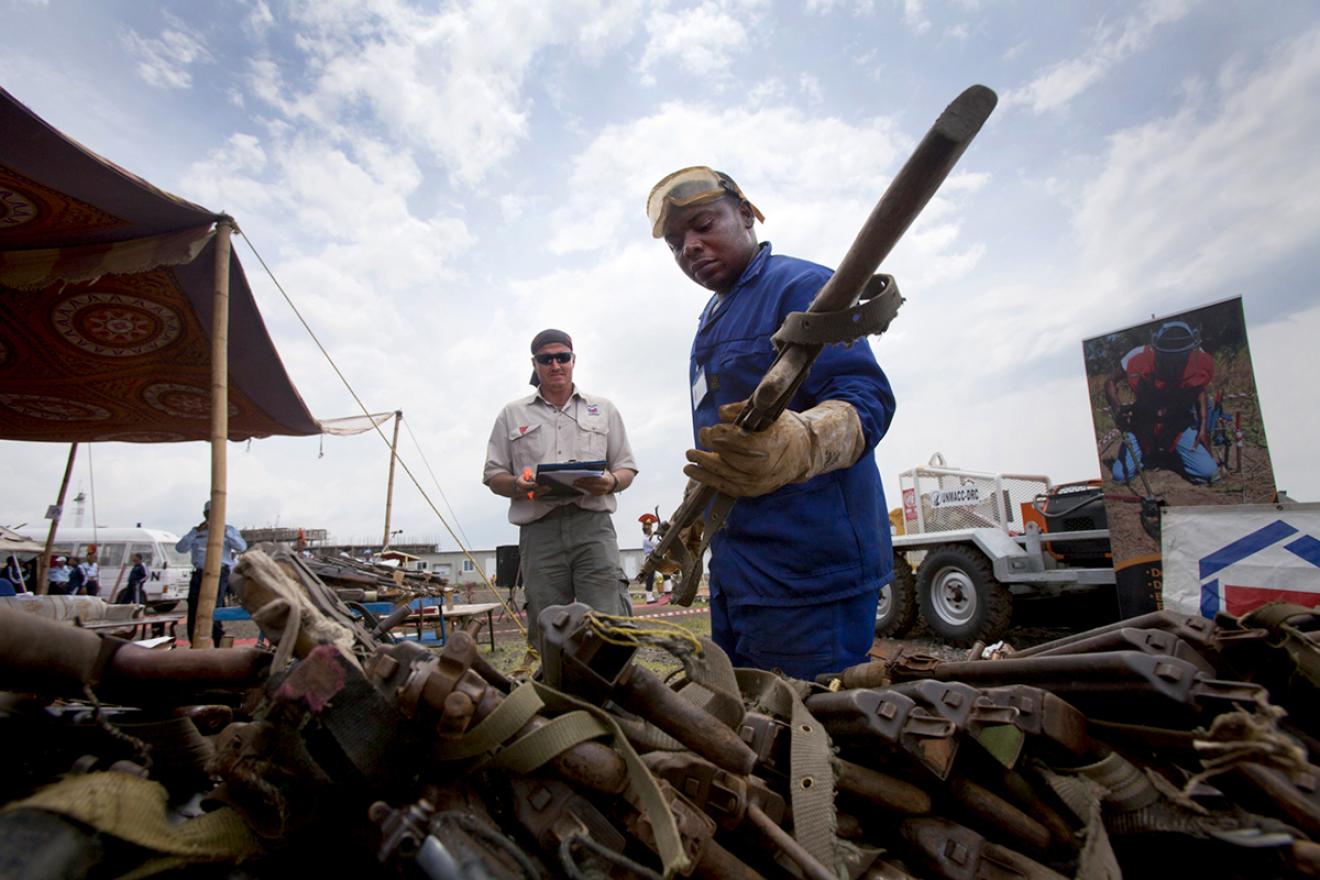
x=567 y=545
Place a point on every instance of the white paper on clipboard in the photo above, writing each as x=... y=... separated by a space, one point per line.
x=561 y=475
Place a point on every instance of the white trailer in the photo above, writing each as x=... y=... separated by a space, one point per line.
x=967 y=546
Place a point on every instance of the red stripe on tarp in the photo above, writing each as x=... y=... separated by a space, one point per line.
x=1239 y=600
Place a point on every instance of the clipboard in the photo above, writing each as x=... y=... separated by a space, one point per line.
x=560 y=476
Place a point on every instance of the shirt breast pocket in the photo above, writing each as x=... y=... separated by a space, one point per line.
x=527 y=447
x=737 y=368
x=595 y=441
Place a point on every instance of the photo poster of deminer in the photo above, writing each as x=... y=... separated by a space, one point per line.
x=1177 y=423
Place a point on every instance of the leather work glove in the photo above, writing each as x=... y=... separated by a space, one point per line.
x=797 y=447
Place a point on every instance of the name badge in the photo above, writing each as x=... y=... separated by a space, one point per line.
x=699 y=388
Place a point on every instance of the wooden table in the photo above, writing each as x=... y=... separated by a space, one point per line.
x=459 y=612
x=428 y=613
x=163 y=624
x=432 y=613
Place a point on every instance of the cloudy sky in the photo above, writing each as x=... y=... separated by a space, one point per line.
x=434 y=183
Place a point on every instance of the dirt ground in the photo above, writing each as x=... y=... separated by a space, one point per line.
x=1034 y=622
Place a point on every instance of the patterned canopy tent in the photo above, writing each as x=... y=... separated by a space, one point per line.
x=106 y=288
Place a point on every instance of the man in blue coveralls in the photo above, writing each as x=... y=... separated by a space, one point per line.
x=796 y=572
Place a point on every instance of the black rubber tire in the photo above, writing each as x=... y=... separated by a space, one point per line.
x=896 y=613
x=960 y=599
x=162 y=607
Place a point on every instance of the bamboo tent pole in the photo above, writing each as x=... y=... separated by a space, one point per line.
x=43 y=562
x=215 y=524
x=389 y=488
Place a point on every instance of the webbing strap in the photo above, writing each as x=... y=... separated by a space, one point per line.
x=1275 y=617
x=713 y=686
x=1275 y=613
x=1083 y=796
x=1126 y=787
x=504 y=721
x=640 y=782
x=133 y=810
x=876 y=307
x=811 y=778
x=531 y=751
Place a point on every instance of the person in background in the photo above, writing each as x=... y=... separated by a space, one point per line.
x=649 y=540
x=91 y=573
x=57 y=579
x=567 y=545
x=13 y=572
x=77 y=577
x=194 y=544
x=806 y=549
x=134 y=593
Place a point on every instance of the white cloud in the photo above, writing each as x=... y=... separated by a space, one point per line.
x=809 y=86
x=165 y=61
x=816 y=159
x=914 y=16
x=1054 y=87
x=1209 y=195
x=703 y=39
x=449 y=83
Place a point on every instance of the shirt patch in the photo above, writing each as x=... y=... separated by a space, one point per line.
x=593 y=409
x=522 y=429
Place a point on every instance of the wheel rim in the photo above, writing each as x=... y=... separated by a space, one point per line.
x=953 y=595
x=886 y=599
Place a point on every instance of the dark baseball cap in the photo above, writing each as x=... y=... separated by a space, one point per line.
x=550 y=337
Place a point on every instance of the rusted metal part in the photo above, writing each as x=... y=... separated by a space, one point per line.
x=991 y=811
x=553 y=811
x=862 y=719
x=1111 y=684
x=717 y=863
x=885 y=791
x=794 y=851
x=733 y=802
x=445 y=692
x=1047 y=717
x=954 y=852
x=361 y=735
x=695 y=828
x=576 y=659
x=1129 y=638
x=864 y=675
x=210 y=719
x=992 y=725
x=883 y=869
x=1268 y=790
x=723 y=796
x=1196 y=631
x=48 y=657
x=770 y=740
x=402 y=830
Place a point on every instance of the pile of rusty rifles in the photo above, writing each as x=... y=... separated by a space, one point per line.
x=1160 y=742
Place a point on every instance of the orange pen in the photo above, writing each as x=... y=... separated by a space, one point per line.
x=527 y=478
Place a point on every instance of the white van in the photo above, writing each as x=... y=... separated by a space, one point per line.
x=168 y=570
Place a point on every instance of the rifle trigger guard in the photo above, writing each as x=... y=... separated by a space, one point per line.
x=876 y=307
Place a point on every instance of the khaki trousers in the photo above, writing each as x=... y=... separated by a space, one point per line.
x=571 y=555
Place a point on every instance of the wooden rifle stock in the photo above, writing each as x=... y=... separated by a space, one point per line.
x=905 y=197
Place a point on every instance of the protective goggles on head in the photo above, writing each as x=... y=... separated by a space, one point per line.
x=690 y=186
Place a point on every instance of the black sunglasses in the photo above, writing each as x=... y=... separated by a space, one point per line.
x=560 y=357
